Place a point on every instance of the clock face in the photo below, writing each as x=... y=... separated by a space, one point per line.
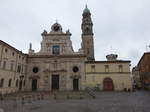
x=56 y=28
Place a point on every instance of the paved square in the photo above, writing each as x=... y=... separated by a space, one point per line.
x=104 y=102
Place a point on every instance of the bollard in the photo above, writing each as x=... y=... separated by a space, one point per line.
x=42 y=97
x=33 y=98
x=29 y=99
x=68 y=97
x=1 y=97
x=22 y=101
x=38 y=97
x=81 y=96
x=55 y=97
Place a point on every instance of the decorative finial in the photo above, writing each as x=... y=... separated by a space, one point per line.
x=86 y=10
x=30 y=46
x=86 y=6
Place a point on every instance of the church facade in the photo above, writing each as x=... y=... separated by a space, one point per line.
x=56 y=66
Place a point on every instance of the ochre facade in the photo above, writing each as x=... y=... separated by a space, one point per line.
x=109 y=75
x=13 y=67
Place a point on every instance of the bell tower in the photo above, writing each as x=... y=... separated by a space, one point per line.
x=87 y=34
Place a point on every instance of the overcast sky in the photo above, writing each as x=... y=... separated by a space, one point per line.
x=120 y=26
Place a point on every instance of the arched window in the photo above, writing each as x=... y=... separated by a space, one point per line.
x=4 y=65
x=107 y=68
x=17 y=83
x=9 y=83
x=1 y=83
x=120 y=68
x=19 y=69
x=56 y=49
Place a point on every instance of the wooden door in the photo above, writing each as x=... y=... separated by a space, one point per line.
x=34 y=84
x=108 y=84
x=76 y=84
x=55 y=82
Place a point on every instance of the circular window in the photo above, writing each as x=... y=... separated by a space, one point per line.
x=35 y=70
x=75 y=69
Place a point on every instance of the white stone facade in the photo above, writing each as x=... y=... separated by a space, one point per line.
x=58 y=61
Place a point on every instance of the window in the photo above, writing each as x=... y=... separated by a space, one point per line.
x=6 y=50
x=1 y=83
x=106 y=68
x=11 y=66
x=17 y=83
x=92 y=68
x=75 y=69
x=120 y=68
x=19 y=69
x=93 y=78
x=24 y=83
x=13 y=54
x=4 y=65
x=35 y=69
x=56 y=49
x=9 y=83
x=22 y=68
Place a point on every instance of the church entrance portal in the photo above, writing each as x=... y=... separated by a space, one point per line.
x=34 y=84
x=55 y=82
x=75 y=84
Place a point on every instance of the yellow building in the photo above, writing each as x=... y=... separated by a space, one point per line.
x=112 y=74
x=12 y=69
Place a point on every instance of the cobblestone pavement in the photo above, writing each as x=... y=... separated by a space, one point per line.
x=105 y=102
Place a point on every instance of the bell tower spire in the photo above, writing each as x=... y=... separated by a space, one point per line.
x=87 y=34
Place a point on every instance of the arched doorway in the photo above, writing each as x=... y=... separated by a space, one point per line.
x=34 y=84
x=108 y=84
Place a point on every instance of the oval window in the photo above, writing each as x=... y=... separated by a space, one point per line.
x=75 y=69
x=35 y=70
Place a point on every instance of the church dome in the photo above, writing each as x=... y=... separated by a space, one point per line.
x=112 y=57
x=56 y=27
x=86 y=10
